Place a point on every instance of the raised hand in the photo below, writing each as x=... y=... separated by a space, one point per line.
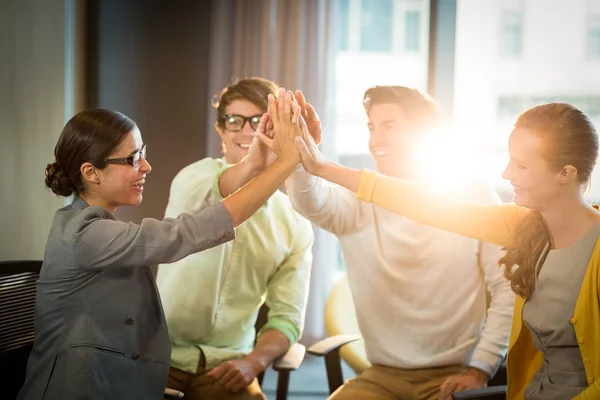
x=310 y=155
x=259 y=155
x=310 y=116
x=284 y=115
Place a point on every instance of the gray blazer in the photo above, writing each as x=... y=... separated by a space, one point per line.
x=100 y=331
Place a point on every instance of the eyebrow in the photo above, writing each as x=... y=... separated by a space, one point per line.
x=384 y=122
x=135 y=151
x=242 y=115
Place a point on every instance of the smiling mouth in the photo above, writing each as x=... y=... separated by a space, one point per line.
x=243 y=146
x=139 y=184
x=380 y=153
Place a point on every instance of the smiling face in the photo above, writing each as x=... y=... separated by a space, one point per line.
x=237 y=143
x=393 y=138
x=122 y=184
x=534 y=180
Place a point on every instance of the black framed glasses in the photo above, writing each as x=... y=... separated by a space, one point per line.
x=133 y=160
x=236 y=122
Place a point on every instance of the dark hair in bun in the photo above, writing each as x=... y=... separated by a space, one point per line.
x=90 y=136
x=58 y=181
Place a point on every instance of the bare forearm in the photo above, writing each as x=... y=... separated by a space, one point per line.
x=236 y=177
x=270 y=345
x=246 y=201
x=342 y=175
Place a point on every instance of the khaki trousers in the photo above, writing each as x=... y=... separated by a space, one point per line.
x=379 y=382
x=199 y=386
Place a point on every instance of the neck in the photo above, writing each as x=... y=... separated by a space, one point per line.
x=93 y=200
x=568 y=218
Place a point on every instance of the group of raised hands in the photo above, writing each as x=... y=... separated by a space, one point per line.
x=290 y=130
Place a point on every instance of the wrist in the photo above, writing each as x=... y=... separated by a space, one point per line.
x=258 y=365
x=481 y=376
x=325 y=169
x=251 y=168
x=289 y=161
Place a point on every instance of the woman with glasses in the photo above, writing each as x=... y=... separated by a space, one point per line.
x=100 y=331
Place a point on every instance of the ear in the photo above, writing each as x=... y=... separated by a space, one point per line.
x=219 y=129
x=90 y=173
x=567 y=174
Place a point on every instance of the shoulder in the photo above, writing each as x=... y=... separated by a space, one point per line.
x=72 y=224
x=198 y=170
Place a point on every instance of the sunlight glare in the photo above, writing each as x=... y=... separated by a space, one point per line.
x=450 y=160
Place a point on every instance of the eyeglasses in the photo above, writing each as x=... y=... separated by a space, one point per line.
x=236 y=122
x=133 y=160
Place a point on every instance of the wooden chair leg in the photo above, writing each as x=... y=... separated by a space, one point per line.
x=261 y=378
x=283 y=383
x=333 y=365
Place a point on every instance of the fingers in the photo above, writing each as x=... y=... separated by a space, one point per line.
x=296 y=113
x=231 y=375
x=317 y=133
x=262 y=123
x=447 y=388
x=269 y=129
x=303 y=126
x=300 y=98
x=303 y=150
x=311 y=113
x=217 y=372
x=269 y=142
x=236 y=384
x=272 y=108
x=287 y=106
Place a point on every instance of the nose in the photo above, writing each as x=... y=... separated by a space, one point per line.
x=247 y=129
x=374 y=139
x=507 y=173
x=145 y=165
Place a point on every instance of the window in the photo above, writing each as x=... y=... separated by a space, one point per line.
x=358 y=66
x=412 y=20
x=511 y=35
x=384 y=44
x=376 y=30
x=490 y=93
x=593 y=37
x=343 y=22
x=509 y=107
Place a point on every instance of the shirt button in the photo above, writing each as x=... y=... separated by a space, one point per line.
x=590 y=380
x=586 y=360
x=129 y=321
x=580 y=340
x=136 y=356
x=573 y=321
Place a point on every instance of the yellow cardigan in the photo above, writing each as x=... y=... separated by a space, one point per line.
x=495 y=224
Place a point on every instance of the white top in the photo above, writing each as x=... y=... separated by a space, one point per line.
x=419 y=292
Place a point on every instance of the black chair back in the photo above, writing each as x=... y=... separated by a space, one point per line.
x=17 y=305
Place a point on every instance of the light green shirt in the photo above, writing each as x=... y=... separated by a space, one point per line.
x=211 y=299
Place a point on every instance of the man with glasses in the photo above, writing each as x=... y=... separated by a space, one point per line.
x=211 y=299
